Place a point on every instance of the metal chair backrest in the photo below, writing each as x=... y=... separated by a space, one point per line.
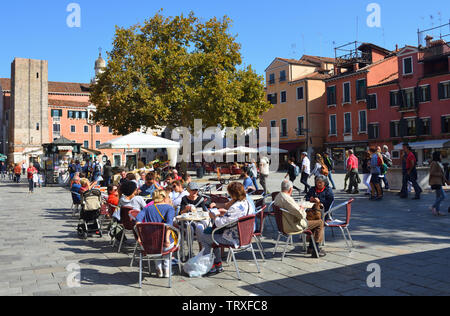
x=246 y=228
x=260 y=216
x=349 y=211
x=219 y=199
x=151 y=237
x=125 y=219
x=279 y=218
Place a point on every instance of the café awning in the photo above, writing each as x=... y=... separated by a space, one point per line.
x=428 y=144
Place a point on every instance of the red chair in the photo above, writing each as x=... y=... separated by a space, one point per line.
x=236 y=171
x=343 y=226
x=150 y=239
x=225 y=171
x=259 y=230
x=289 y=237
x=246 y=227
x=127 y=220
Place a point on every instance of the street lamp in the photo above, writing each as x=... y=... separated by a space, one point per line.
x=91 y=109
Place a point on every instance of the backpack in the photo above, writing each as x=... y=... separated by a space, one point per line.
x=297 y=171
x=387 y=161
x=324 y=171
x=92 y=200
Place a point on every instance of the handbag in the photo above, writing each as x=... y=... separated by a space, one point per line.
x=172 y=233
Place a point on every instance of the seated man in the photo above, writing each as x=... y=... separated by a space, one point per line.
x=248 y=182
x=321 y=194
x=150 y=185
x=295 y=222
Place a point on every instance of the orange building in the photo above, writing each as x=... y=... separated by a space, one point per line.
x=296 y=88
x=35 y=111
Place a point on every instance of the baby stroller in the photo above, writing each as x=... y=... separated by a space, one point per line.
x=91 y=203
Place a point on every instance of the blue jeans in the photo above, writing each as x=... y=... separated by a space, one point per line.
x=330 y=176
x=255 y=183
x=207 y=243
x=440 y=196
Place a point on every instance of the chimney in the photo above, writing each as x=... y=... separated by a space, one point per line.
x=396 y=47
x=355 y=66
x=428 y=39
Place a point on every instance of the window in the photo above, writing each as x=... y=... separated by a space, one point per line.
x=347 y=123
x=110 y=130
x=86 y=129
x=282 y=75
x=425 y=127
x=272 y=98
x=283 y=97
x=395 y=129
x=56 y=113
x=333 y=128
x=284 y=128
x=97 y=129
x=300 y=93
x=271 y=78
x=300 y=126
x=69 y=114
x=425 y=93
x=97 y=143
x=37 y=126
x=72 y=129
x=409 y=99
x=444 y=90
x=361 y=90
x=86 y=144
x=445 y=124
x=37 y=75
x=346 y=93
x=395 y=154
x=411 y=131
x=374 y=131
x=331 y=95
x=83 y=115
x=56 y=128
x=395 y=98
x=273 y=124
x=407 y=66
x=363 y=121
x=372 y=101
x=77 y=115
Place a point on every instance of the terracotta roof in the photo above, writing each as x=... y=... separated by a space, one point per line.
x=67 y=103
x=55 y=87
x=5 y=83
x=313 y=76
x=297 y=62
x=68 y=87
x=318 y=58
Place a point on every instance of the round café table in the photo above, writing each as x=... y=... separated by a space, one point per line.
x=186 y=221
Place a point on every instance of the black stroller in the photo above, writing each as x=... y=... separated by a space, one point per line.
x=91 y=202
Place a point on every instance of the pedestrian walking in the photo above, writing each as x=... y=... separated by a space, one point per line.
x=352 y=168
x=329 y=162
x=305 y=171
x=264 y=170
x=17 y=173
x=31 y=171
x=347 y=175
x=253 y=173
x=3 y=170
x=107 y=174
x=293 y=172
x=367 y=175
x=410 y=173
x=437 y=182
x=388 y=161
x=376 y=163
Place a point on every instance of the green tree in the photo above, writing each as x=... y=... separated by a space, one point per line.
x=170 y=71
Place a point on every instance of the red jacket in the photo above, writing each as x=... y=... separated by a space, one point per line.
x=352 y=162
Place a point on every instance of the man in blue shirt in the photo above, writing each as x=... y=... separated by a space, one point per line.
x=150 y=185
x=248 y=183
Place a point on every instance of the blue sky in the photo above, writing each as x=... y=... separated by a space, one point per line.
x=266 y=29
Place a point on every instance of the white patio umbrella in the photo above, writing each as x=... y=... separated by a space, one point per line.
x=138 y=140
x=272 y=150
x=242 y=150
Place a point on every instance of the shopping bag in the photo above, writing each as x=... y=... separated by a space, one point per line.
x=200 y=265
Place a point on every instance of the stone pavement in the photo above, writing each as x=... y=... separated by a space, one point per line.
x=39 y=244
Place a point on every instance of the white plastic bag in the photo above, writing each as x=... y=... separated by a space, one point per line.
x=200 y=265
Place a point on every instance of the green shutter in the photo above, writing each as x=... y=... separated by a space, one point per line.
x=441 y=91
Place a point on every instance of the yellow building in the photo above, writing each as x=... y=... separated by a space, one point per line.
x=297 y=91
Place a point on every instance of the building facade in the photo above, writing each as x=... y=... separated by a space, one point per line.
x=348 y=102
x=414 y=108
x=296 y=89
x=35 y=111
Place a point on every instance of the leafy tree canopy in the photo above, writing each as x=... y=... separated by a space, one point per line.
x=170 y=71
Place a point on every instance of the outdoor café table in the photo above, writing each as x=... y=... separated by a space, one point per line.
x=257 y=197
x=215 y=192
x=186 y=221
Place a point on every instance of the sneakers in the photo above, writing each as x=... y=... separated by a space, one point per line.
x=217 y=268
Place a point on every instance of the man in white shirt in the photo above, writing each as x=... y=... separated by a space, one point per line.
x=306 y=171
x=264 y=173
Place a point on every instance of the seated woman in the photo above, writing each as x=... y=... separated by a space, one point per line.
x=160 y=212
x=130 y=198
x=113 y=195
x=321 y=194
x=177 y=194
x=240 y=207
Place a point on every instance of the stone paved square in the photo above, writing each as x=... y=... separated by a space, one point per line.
x=38 y=242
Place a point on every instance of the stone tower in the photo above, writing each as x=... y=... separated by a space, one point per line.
x=100 y=65
x=29 y=106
